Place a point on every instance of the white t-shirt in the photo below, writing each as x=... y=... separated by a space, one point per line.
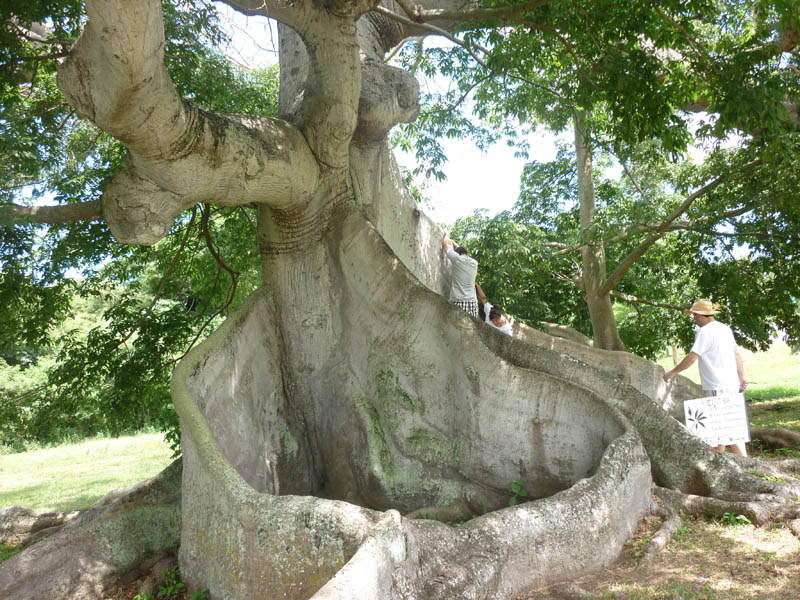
x=505 y=327
x=716 y=346
x=465 y=269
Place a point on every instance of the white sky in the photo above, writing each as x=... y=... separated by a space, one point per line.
x=477 y=179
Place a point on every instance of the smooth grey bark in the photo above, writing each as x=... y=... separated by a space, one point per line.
x=593 y=275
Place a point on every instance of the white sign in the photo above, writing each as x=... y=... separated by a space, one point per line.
x=718 y=420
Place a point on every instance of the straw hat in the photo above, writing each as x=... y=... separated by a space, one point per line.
x=703 y=306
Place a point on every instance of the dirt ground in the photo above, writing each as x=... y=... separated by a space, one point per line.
x=705 y=560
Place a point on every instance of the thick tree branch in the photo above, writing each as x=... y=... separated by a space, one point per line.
x=11 y=214
x=636 y=300
x=180 y=155
x=419 y=14
x=117 y=78
x=629 y=260
x=437 y=31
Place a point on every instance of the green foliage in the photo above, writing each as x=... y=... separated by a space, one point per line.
x=109 y=371
x=682 y=531
x=111 y=377
x=628 y=67
x=736 y=245
x=733 y=519
x=172 y=584
x=172 y=589
x=7 y=551
x=519 y=493
x=639 y=546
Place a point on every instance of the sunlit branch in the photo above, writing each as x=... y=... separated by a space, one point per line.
x=33 y=36
x=34 y=58
x=636 y=300
x=13 y=214
x=635 y=228
x=435 y=30
x=633 y=179
x=419 y=14
x=629 y=260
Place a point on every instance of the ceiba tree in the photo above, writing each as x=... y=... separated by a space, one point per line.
x=347 y=390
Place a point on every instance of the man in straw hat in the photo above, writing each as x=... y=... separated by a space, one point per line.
x=721 y=370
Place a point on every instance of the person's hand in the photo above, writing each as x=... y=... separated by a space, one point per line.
x=743 y=383
x=667 y=376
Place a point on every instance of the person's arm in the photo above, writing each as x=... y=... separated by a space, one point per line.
x=481 y=296
x=740 y=368
x=487 y=309
x=687 y=362
x=447 y=243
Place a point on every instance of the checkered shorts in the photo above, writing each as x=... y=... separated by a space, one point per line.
x=468 y=306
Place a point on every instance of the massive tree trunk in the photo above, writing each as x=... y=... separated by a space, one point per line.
x=347 y=391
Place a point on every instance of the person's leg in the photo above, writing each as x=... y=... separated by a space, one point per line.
x=739 y=448
x=720 y=448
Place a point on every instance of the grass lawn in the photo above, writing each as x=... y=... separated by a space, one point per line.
x=74 y=476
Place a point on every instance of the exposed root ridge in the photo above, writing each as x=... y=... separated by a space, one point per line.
x=660 y=539
x=777 y=437
x=759 y=511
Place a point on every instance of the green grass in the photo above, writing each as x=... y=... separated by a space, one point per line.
x=7 y=552
x=75 y=476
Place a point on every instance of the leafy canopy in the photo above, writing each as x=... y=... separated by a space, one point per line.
x=153 y=303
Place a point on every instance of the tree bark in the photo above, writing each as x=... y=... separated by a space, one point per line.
x=604 y=323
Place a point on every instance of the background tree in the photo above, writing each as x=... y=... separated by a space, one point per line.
x=529 y=255
x=625 y=77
